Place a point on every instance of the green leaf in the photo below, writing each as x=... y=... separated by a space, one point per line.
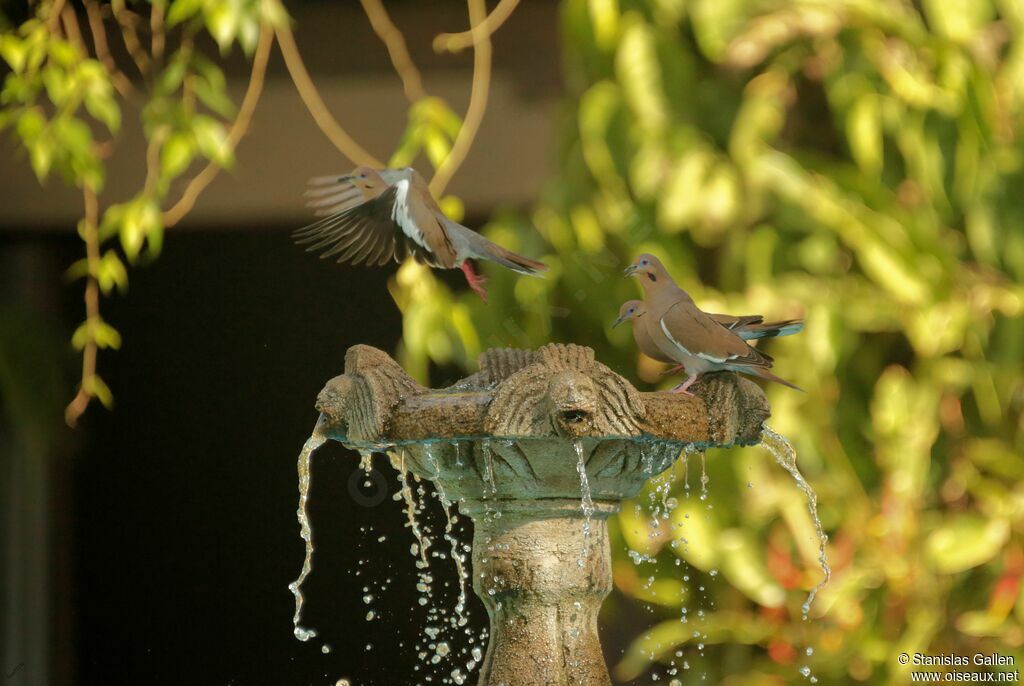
x=106 y=336
x=30 y=125
x=63 y=53
x=132 y=230
x=104 y=109
x=112 y=273
x=183 y=9
x=173 y=74
x=77 y=270
x=110 y=225
x=212 y=140
x=959 y=20
x=248 y=33
x=41 y=153
x=96 y=331
x=96 y=387
x=864 y=131
x=222 y=23
x=214 y=97
x=74 y=136
x=965 y=541
x=177 y=154
x=14 y=51
x=436 y=146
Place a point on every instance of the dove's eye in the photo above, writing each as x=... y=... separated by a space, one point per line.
x=644 y=262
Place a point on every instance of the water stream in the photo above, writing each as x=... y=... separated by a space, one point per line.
x=460 y=606
x=315 y=440
x=784 y=453
x=586 y=500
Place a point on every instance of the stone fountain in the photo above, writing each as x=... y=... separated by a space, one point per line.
x=538 y=448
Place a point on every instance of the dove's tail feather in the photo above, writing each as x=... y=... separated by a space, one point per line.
x=765 y=374
x=771 y=329
x=483 y=249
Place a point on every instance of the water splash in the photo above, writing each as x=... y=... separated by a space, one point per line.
x=315 y=440
x=784 y=453
x=460 y=605
x=366 y=461
x=422 y=544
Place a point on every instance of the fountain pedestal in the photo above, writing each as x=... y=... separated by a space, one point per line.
x=542 y=581
x=538 y=448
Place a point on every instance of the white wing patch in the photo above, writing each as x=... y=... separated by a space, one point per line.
x=703 y=356
x=671 y=338
x=400 y=214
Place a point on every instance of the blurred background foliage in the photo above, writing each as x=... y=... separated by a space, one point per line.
x=854 y=162
x=858 y=163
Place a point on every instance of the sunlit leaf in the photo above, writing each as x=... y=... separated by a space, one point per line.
x=965 y=541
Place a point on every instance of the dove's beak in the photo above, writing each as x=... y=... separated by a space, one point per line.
x=618 y=320
x=630 y=270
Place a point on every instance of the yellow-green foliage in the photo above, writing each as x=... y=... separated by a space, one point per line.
x=854 y=162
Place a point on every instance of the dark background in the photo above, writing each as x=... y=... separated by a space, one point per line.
x=175 y=513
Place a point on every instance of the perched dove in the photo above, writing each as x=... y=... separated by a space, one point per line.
x=687 y=336
x=374 y=216
x=748 y=327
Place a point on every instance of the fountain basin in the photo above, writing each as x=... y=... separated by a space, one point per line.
x=538 y=448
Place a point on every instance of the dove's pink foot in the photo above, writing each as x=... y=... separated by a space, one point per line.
x=475 y=281
x=681 y=388
x=673 y=370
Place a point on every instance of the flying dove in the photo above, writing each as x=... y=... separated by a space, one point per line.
x=687 y=336
x=747 y=327
x=374 y=216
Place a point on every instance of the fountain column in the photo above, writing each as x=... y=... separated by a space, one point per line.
x=538 y=448
x=542 y=581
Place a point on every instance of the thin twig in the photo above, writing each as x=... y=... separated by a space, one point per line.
x=477 y=102
x=394 y=41
x=126 y=19
x=315 y=104
x=156 y=30
x=90 y=234
x=55 y=11
x=455 y=42
x=71 y=29
x=99 y=41
x=241 y=125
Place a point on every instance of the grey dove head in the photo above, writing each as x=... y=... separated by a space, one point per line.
x=649 y=270
x=365 y=178
x=631 y=309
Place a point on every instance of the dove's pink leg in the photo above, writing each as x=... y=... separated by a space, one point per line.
x=681 y=388
x=673 y=370
x=475 y=281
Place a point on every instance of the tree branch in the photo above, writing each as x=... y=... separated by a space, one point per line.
x=70 y=21
x=156 y=28
x=241 y=125
x=99 y=41
x=127 y=19
x=412 y=82
x=456 y=42
x=90 y=234
x=315 y=104
x=56 y=8
x=477 y=101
